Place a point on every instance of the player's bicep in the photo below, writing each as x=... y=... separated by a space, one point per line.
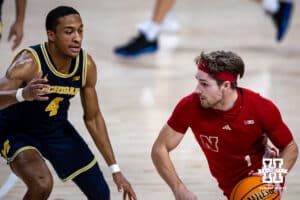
x=275 y=128
x=89 y=102
x=88 y=93
x=168 y=138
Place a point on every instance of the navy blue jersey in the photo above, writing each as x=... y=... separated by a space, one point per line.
x=46 y=116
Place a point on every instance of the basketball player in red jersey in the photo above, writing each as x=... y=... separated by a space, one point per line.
x=231 y=125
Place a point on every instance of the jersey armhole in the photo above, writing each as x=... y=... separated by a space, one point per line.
x=84 y=67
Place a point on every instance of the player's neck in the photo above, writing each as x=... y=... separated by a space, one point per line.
x=61 y=62
x=229 y=99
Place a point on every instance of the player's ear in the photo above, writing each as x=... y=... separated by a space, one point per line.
x=51 y=36
x=226 y=84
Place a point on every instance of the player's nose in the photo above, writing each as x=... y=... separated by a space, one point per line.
x=198 y=89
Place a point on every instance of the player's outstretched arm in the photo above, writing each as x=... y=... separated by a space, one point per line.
x=168 y=140
x=95 y=124
x=17 y=28
x=22 y=82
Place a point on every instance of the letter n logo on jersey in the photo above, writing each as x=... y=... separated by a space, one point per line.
x=210 y=142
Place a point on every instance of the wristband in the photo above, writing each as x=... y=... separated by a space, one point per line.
x=19 y=95
x=114 y=168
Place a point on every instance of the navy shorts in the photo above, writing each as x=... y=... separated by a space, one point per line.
x=64 y=148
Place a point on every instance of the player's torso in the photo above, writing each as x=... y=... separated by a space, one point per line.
x=233 y=146
x=49 y=115
x=234 y=137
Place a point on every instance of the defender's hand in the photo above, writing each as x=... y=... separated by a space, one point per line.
x=16 y=32
x=124 y=185
x=182 y=193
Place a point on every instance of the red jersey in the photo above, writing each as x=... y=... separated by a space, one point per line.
x=233 y=141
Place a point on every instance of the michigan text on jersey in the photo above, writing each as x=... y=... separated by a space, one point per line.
x=63 y=90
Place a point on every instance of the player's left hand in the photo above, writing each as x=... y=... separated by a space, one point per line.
x=16 y=32
x=124 y=185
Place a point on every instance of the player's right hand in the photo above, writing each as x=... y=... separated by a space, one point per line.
x=36 y=89
x=182 y=193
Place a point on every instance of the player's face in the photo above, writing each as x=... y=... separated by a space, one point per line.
x=68 y=35
x=210 y=94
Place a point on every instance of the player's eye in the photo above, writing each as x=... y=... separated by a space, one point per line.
x=204 y=84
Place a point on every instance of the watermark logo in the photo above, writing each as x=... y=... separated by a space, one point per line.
x=272 y=170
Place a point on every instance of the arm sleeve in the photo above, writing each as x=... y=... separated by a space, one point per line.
x=179 y=120
x=275 y=128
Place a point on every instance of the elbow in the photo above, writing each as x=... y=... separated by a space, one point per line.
x=90 y=118
x=154 y=152
x=290 y=152
x=296 y=150
x=157 y=152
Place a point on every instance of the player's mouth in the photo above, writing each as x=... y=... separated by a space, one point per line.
x=75 y=49
x=202 y=98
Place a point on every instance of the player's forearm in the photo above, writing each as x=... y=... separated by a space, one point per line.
x=289 y=155
x=20 y=10
x=161 y=159
x=7 y=98
x=97 y=128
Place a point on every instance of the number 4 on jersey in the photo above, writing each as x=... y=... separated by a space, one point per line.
x=53 y=106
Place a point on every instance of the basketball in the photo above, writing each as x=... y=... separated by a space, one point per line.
x=252 y=188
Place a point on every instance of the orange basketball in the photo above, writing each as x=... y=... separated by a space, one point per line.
x=252 y=188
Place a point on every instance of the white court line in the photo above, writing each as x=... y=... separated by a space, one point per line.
x=10 y=182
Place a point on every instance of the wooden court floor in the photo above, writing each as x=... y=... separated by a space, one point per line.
x=137 y=95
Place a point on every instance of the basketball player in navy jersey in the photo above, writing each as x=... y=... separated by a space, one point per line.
x=231 y=125
x=35 y=94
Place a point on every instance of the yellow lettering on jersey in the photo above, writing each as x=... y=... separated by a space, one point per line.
x=6 y=148
x=76 y=78
x=64 y=90
x=53 y=106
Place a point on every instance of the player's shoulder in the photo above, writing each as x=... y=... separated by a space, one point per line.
x=89 y=59
x=24 y=56
x=28 y=55
x=251 y=95
x=256 y=100
x=23 y=64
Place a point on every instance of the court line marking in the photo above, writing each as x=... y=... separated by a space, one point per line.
x=9 y=183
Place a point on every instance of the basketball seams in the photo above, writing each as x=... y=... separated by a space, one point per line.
x=235 y=195
x=253 y=188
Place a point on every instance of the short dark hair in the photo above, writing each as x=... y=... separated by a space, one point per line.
x=56 y=13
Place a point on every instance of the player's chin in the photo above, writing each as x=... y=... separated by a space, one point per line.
x=204 y=105
x=73 y=52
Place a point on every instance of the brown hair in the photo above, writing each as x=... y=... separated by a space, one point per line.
x=220 y=61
